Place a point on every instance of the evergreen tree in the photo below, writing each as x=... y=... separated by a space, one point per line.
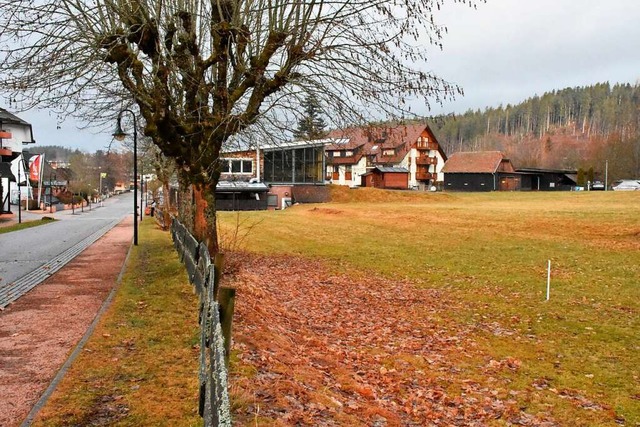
x=581 y=181
x=311 y=125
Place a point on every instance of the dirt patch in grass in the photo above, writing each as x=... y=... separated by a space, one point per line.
x=316 y=348
x=326 y=211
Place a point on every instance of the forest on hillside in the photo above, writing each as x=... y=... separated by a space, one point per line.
x=572 y=128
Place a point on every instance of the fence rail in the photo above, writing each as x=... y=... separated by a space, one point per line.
x=215 y=315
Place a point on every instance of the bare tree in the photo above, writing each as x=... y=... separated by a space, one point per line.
x=201 y=72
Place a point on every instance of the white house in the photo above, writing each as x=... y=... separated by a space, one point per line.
x=356 y=151
x=14 y=132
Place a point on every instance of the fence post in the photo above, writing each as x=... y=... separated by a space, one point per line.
x=218 y=262
x=226 y=299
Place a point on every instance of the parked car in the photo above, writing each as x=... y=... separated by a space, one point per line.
x=626 y=185
x=597 y=185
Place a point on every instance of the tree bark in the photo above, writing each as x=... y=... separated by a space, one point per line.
x=166 y=210
x=204 y=222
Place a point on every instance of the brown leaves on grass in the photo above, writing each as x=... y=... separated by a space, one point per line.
x=323 y=349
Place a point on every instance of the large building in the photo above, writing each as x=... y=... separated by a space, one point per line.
x=400 y=157
x=355 y=152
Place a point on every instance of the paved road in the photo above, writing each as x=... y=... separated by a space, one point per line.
x=27 y=257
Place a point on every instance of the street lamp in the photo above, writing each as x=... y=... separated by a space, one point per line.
x=119 y=134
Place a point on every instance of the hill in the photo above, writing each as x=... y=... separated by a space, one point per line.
x=580 y=127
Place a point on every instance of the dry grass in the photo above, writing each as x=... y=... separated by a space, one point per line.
x=140 y=366
x=577 y=353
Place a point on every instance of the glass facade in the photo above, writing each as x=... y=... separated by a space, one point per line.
x=294 y=166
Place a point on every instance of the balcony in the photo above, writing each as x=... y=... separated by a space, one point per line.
x=426 y=160
x=426 y=145
x=425 y=176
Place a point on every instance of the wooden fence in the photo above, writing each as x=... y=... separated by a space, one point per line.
x=216 y=313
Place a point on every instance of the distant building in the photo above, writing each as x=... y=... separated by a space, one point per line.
x=355 y=152
x=386 y=177
x=402 y=156
x=492 y=171
x=14 y=132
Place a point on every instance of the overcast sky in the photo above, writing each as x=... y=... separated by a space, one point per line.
x=504 y=52
x=509 y=50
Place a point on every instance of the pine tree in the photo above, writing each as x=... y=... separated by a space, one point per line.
x=311 y=125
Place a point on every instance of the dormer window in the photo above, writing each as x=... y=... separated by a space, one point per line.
x=348 y=153
x=388 y=152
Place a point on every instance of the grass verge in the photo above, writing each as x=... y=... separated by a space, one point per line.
x=25 y=225
x=140 y=367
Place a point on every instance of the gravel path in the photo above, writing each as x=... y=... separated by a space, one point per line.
x=40 y=330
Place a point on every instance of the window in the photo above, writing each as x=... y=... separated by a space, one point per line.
x=299 y=165
x=388 y=152
x=247 y=166
x=237 y=166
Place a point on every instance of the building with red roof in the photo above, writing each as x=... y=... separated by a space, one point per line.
x=355 y=152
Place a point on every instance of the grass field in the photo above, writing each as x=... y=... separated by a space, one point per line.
x=578 y=355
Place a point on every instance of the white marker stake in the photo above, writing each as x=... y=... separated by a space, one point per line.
x=548 y=279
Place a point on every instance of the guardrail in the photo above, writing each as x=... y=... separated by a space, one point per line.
x=215 y=317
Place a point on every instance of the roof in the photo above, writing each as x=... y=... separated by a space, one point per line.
x=240 y=187
x=388 y=169
x=351 y=160
x=542 y=170
x=296 y=144
x=7 y=117
x=473 y=162
x=374 y=140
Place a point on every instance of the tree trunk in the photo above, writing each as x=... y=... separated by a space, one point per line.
x=166 y=210
x=204 y=221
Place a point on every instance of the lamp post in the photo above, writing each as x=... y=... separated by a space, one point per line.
x=51 y=190
x=119 y=134
x=141 y=194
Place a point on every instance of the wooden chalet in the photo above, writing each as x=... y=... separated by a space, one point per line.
x=355 y=152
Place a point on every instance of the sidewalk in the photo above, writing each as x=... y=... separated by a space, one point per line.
x=40 y=329
x=7 y=220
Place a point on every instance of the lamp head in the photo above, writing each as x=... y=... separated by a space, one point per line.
x=119 y=134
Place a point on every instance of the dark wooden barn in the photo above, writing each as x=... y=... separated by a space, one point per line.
x=386 y=177
x=480 y=171
x=491 y=171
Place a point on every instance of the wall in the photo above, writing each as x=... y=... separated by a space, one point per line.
x=395 y=180
x=19 y=134
x=311 y=194
x=468 y=182
x=281 y=191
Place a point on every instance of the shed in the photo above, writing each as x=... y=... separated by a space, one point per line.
x=241 y=196
x=386 y=177
x=548 y=179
